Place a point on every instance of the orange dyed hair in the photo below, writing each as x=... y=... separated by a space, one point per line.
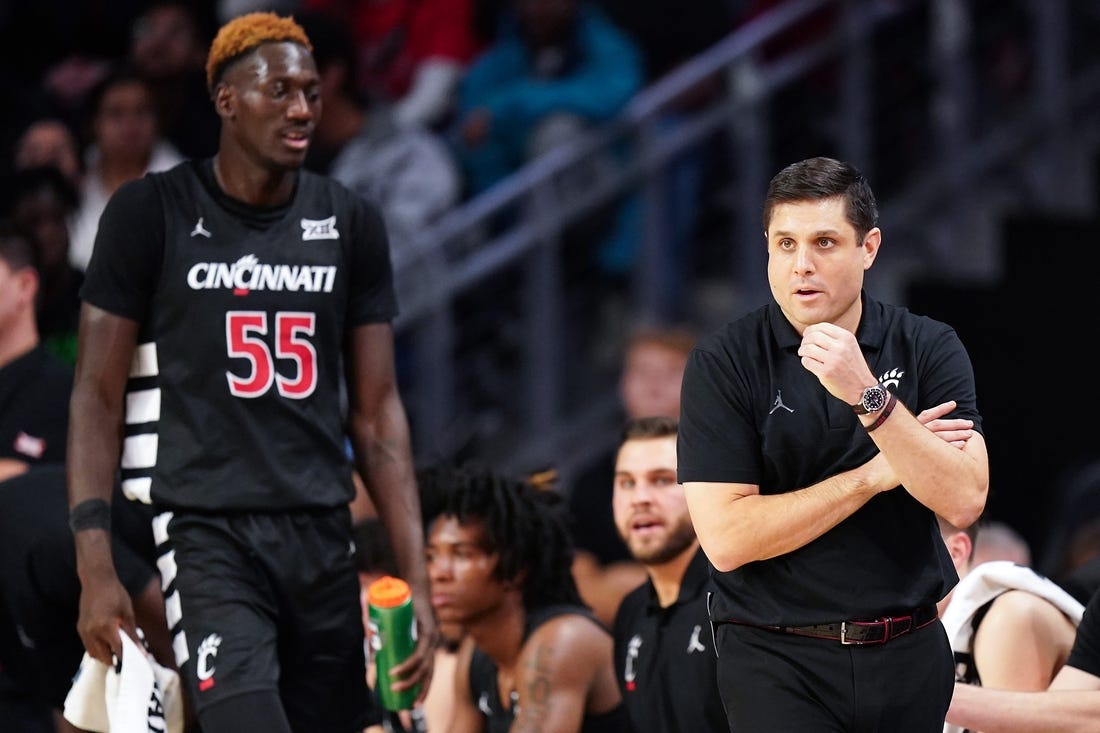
x=243 y=34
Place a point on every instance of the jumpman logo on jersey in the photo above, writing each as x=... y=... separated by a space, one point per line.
x=694 y=645
x=200 y=229
x=779 y=402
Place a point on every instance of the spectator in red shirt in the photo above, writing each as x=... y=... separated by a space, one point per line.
x=412 y=53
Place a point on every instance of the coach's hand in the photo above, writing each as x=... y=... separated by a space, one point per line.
x=832 y=354
x=955 y=430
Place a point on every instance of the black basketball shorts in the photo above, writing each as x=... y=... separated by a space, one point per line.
x=268 y=602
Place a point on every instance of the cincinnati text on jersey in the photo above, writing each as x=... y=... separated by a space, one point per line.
x=248 y=273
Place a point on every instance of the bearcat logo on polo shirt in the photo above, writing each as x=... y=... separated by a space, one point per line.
x=248 y=274
x=319 y=229
x=892 y=377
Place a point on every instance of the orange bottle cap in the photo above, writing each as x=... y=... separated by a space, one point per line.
x=388 y=592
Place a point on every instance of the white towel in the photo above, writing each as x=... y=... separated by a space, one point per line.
x=987 y=581
x=142 y=696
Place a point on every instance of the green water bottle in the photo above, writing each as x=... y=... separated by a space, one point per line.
x=392 y=626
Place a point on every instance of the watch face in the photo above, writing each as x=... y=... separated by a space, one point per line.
x=874 y=398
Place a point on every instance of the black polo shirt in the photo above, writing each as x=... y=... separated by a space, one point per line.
x=751 y=413
x=664 y=657
x=39 y=587
x=34 y=407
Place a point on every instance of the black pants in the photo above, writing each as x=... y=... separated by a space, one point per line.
x=771 y=681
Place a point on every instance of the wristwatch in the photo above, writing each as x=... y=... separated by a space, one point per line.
x=872 y=400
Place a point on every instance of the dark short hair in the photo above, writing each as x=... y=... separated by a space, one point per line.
x=333 y=45
x=824 y=178
x=16 y=247
x=644 y=428
x=119 y=74
x=971 y=531
x=373 y=551
x=678 y=338
x=28 y=182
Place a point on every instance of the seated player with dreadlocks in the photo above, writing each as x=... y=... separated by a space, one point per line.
x=499 y=558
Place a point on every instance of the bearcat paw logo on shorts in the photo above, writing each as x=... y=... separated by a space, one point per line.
x=204 y=667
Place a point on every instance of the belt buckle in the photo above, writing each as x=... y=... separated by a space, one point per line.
x=886 y=624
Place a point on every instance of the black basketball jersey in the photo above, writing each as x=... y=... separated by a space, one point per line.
x=234 y=394
x=484 y=688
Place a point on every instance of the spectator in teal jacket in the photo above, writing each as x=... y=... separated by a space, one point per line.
x=556 y=68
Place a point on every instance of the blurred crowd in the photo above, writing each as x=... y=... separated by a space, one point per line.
x=427 y=104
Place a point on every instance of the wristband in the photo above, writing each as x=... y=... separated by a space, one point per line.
x=893 y=400
x=90 y=514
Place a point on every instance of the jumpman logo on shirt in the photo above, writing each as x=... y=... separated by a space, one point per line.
x=200 y=229
x=779 y=402
x=694 y=645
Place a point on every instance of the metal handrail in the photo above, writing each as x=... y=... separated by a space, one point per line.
x=646 y=105
x=461 y=252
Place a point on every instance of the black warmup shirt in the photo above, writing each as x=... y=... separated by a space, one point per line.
x=1085 y=654
x=665 y=660
x=234 y=396
x=484 y=689
x=34 y=407
x=39 y=587
x=751 y=413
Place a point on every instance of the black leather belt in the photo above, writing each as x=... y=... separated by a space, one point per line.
x=860 y=633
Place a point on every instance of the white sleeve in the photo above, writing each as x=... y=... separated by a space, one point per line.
x=432 y=94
